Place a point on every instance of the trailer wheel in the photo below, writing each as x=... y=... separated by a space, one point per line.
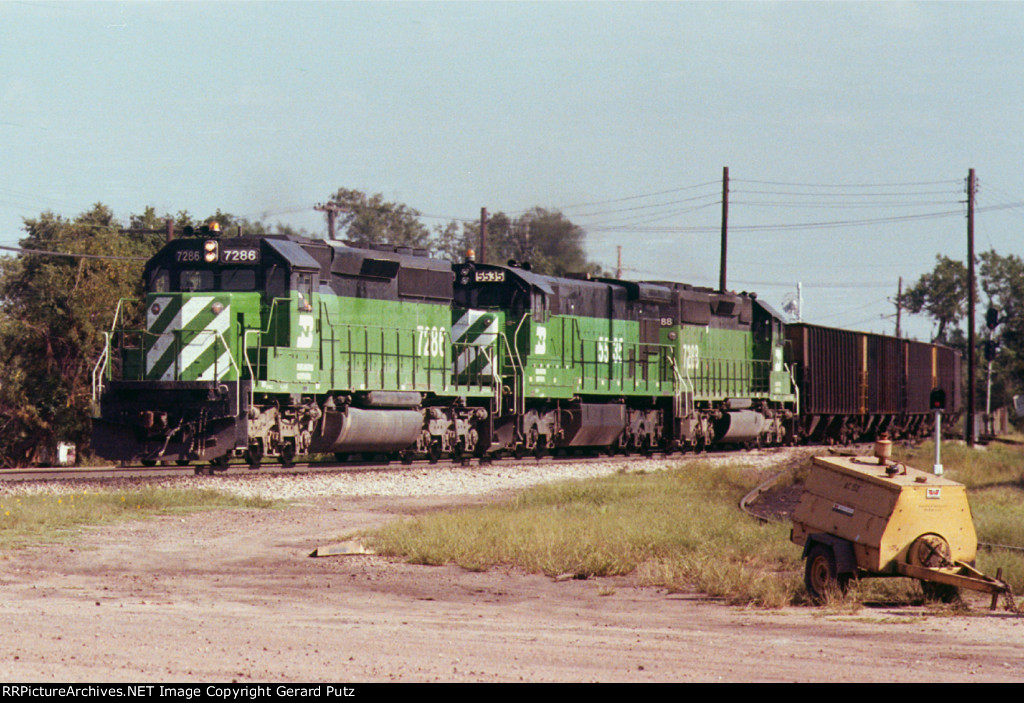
x=821 y=575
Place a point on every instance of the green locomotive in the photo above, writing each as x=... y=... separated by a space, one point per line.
x=279 y=346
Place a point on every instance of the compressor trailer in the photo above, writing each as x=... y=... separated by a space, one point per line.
x=862 y=516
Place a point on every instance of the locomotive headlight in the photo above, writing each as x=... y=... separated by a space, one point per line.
x=217 y=308
x=210 y=251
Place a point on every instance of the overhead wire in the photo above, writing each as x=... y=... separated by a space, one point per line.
x=42 y=252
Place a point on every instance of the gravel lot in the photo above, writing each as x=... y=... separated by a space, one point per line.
x=233 y=596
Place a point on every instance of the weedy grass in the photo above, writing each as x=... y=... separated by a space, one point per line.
x=996 y=464
x=678 y=529
x=47 y=517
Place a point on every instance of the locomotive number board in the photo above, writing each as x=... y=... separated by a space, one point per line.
x=490 y=276
x=239 y=255
x=222 y=255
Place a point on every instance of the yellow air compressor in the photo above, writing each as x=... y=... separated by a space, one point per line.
x=867 y=516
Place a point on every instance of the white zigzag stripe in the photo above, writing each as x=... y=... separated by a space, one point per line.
x=201 y=342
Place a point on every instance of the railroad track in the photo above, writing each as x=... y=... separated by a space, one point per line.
x=116 y=473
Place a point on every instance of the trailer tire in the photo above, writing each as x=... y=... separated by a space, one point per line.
x=821 y=575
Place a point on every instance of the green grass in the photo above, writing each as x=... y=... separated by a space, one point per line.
x=677 y=529
x=681 y=530
x=27 y=519
x=996 y=464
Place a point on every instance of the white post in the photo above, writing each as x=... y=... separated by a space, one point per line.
x=937 y=468
x=988 y=403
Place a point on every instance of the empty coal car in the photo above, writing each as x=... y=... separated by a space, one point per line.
x=857 y=384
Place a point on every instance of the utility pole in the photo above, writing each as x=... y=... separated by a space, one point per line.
x=332 y=210
x=483 y=236
x=969 y=425
x=725 y=226
x=618 y=264
x=899 y=306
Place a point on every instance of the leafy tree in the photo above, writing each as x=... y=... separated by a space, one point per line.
x=368 y=220
x=53 y=312
x=551 y=243
x=453 y=241
x=941 y=294
x=548 y=240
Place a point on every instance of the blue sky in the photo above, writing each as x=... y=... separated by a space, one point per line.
x=848 y=128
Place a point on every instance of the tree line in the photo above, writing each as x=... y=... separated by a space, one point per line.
x=54 y=310
x=942 y=295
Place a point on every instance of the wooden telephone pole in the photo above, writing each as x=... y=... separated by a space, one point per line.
x=725 y=226
x=971 y=362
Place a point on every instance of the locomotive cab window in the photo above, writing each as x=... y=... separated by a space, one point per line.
x=302 y=284
x=195 y=280
x=540 y=306
x=238 y=279
x=160 y=281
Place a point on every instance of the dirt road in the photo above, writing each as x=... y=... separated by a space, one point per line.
x=233 y=596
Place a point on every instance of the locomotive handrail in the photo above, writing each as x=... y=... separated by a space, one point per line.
x=97 y=371
x=515 y=376
x=238 y=374
x=666 y=358
x=519 y=383
x=117 y=311
x=680 y=397
x=792 y=384
x=445 y=345
x=248 y=362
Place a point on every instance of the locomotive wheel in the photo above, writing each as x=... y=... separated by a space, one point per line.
x=148 y=462
x=287 y=457
x=821 y=576
x=220 y=463
x=253 y=456
x=434 y=451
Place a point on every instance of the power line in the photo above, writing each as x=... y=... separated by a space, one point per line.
x=40 y=252
x=851 y=185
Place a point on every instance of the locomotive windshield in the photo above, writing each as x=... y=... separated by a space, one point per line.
x=192 y=280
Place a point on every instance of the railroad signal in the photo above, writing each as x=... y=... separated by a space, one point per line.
x=990 y=350
x=992 y=318
x=937 y=399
